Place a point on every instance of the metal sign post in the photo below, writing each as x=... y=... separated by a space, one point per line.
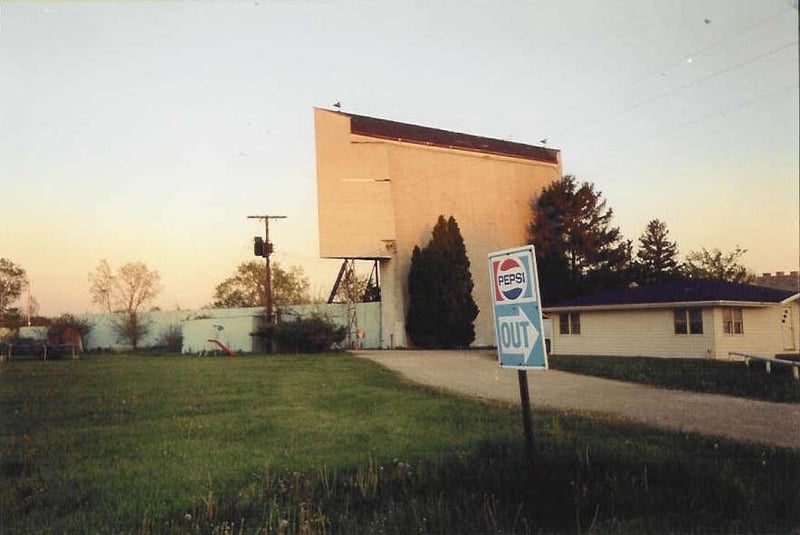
x=525 y=403
x=514 y=283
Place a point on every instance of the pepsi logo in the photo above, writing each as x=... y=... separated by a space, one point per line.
x=510 y=278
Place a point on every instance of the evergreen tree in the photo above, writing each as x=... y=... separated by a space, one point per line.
x=577 y=250
x=441 y=310
x=422 y=311
x=657 y=255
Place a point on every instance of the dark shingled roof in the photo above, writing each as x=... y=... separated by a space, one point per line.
x=423 y=135
x=681 y=292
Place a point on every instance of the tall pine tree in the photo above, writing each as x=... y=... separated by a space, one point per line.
x=441 y=311
x=657 y=255
x=577 y=250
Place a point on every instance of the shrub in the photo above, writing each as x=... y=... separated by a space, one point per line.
x=307 y=335
x=131 y=327
x=67 y=329
x=171 y=339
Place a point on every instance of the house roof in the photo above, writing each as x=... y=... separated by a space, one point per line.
x=423 y=135
x=684 y=292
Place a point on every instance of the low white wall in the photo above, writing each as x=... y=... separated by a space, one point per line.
x=198 y=326
x=37 y=333
x=102 y=335
x=233 y=332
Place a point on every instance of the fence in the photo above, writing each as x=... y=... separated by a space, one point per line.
x=232 y=326
x=769 y=362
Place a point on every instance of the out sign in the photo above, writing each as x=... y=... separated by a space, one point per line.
x=517 y=334
x=517 y=310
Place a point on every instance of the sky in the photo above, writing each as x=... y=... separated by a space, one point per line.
x=149 y=131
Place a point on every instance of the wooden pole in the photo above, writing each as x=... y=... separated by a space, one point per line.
x=268 y=281
x=267 y=253
x=525 y=402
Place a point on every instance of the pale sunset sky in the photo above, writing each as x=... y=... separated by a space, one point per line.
x=148 y=131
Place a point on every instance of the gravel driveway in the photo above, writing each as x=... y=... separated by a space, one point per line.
x=477 y=374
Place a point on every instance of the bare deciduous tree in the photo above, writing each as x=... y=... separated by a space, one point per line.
x=101 y=285
x=125 y=293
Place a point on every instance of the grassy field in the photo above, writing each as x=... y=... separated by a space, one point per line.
x=698 y=375
x=334 y=444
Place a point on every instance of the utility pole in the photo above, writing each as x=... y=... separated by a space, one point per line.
x=30 y=304
x=266 y=252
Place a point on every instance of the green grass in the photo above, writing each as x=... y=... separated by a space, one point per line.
x=697 y=375
x=335 y=444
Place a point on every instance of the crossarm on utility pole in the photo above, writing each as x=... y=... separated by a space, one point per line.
x=267 y=253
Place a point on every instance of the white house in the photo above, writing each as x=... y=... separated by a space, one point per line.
x=693 y=318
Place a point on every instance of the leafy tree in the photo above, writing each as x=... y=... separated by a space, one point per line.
x=125 y=293
x=12 y=281
x=441 y=311
x=289 y=286
x=577 y=249
x=717 y=265
x=657 y=255
x=246 y=287
x=372 y=293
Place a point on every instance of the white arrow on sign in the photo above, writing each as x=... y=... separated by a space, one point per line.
x=518 y=335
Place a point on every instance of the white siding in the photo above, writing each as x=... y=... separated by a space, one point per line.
x=648 y=333
x=762 y=331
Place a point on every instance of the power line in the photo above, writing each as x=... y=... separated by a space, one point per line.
x=740 y=105
x=693 y=54
x=697 y=81
x=699 y=52
x=713 y=75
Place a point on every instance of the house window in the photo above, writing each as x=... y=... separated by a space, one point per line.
x=575 y=322
x=732 y=321
x=688 y=320
x=569 y=323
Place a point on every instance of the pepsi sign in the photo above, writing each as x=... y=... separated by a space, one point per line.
x=512 y=279
x=517 y=312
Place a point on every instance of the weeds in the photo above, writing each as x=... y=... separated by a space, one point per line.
x=491 y=489
x=367 y=478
